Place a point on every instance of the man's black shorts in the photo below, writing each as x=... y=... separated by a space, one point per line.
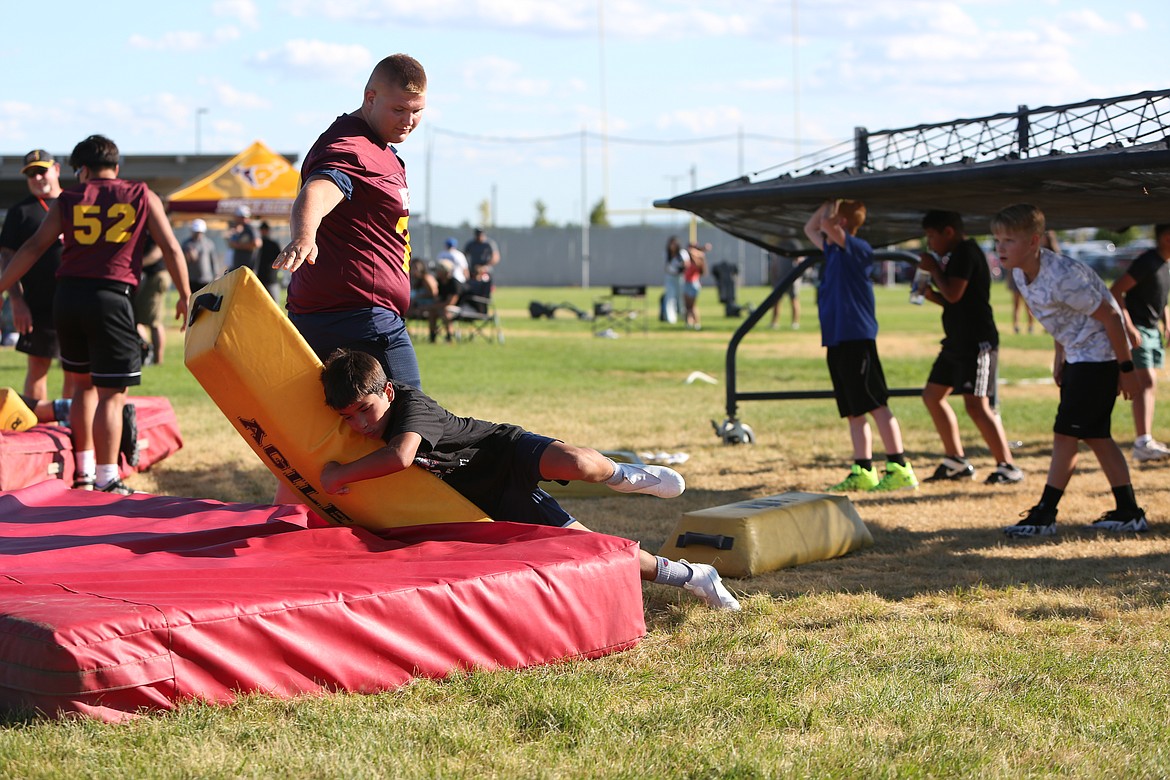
x=859 y=384
x=1088 y=392
x=95 y=326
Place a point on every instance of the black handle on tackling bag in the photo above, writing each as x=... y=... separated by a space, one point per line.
x=718 y=541
x=209 y=301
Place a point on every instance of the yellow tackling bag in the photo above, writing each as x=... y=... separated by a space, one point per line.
x=266 y=379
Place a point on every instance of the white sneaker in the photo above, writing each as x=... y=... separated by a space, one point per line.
x=1151 y=450
x=706 y=583
x=651 y=480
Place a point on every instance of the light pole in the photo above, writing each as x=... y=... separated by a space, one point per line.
x=199 y=112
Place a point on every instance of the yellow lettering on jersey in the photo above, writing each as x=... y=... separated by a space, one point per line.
x=87 y=223
x=119 y=232
x=401 y=230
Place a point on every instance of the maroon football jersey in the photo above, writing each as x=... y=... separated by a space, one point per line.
x=104 y=224
x=364 y=243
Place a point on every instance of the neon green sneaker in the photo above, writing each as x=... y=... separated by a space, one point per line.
x=858 y=479
x=897 y=477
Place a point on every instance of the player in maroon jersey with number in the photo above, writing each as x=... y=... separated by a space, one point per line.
x=104 y=221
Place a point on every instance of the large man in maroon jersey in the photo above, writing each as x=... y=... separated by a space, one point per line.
x=350 y=246
x=104 y=221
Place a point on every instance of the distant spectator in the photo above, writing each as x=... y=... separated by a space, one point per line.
x=676 y=260
x=482 y=255
x=423 y=289
x=1142 y=292
x=149 y=300
x=203 y=263
x=446 y=304
x=779 y=266
x=458 y=260
x=693 y=271
x=269 y=250
x=243 y=240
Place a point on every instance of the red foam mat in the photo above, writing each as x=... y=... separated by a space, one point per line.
x=111 y=606
x=46 y=451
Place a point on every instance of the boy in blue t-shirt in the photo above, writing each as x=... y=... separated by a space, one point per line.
x=849 y=332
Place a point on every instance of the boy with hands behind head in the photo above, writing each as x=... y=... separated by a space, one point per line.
x=496 y=466
x=849 y=331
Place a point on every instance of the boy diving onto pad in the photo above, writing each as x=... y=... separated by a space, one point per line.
x=496 y=466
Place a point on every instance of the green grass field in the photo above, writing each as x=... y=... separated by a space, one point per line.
x=943 y=650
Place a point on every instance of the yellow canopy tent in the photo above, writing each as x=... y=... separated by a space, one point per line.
x=257 y=177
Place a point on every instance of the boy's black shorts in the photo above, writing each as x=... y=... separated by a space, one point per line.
x=1088 y=392
x=859 y=384
x=95 y=327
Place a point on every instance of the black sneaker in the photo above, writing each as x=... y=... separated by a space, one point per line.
x=1004 y=474
x=1123 y=521
x=952 y=469
x=83 y=483
x=129 y=445
x=1037 y=521
x=117 y=487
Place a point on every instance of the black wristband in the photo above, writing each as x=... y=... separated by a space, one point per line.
x=1125 y=366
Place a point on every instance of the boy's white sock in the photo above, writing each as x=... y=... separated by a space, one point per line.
x=106 y=473
x=1143 y=440
x=84 y=463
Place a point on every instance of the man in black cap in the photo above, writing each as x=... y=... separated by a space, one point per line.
x=482 y=255
x=32 y=297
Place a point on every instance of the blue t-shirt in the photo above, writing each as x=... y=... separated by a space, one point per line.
x=845 y=301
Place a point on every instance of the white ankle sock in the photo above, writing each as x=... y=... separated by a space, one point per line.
x=106 y=473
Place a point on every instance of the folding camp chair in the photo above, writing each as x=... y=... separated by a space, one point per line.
x=478 y=312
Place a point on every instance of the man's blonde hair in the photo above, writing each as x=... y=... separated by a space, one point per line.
x=853 y=212
x=1020 y=218
x=400 y=70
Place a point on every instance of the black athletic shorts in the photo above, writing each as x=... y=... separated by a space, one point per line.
x=859 y=383
x=967 y=372
x=1088 y=392
x=95 y=326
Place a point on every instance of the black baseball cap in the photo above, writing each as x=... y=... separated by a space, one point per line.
x=37 y=158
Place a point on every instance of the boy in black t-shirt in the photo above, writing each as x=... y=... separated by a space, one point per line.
x=496 y=466
x=961 y=284
x=1142 y=292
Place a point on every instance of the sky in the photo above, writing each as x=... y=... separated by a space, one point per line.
x=564 y=102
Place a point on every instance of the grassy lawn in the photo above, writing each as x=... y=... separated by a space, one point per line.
x=943 y=650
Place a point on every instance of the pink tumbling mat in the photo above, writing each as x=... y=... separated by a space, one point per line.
x=46 y=451
x=112 y=606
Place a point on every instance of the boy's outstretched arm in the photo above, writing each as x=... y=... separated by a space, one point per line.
x=398 y=454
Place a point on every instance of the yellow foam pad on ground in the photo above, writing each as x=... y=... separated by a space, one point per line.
x=764 y=534
x=264 y=376
x=14 y=412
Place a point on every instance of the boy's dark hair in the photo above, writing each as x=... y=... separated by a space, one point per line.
x=97 y=153
x=940 y=220
x=348 y=375
x=1161 y=228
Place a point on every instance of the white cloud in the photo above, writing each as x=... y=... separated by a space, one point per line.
x=501 y=76
x=318 y=59
x=182 y=41
x=243 y=10
x=705 y=121
x=229 y=96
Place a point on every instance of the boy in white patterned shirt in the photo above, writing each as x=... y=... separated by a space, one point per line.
x=1092 y=362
